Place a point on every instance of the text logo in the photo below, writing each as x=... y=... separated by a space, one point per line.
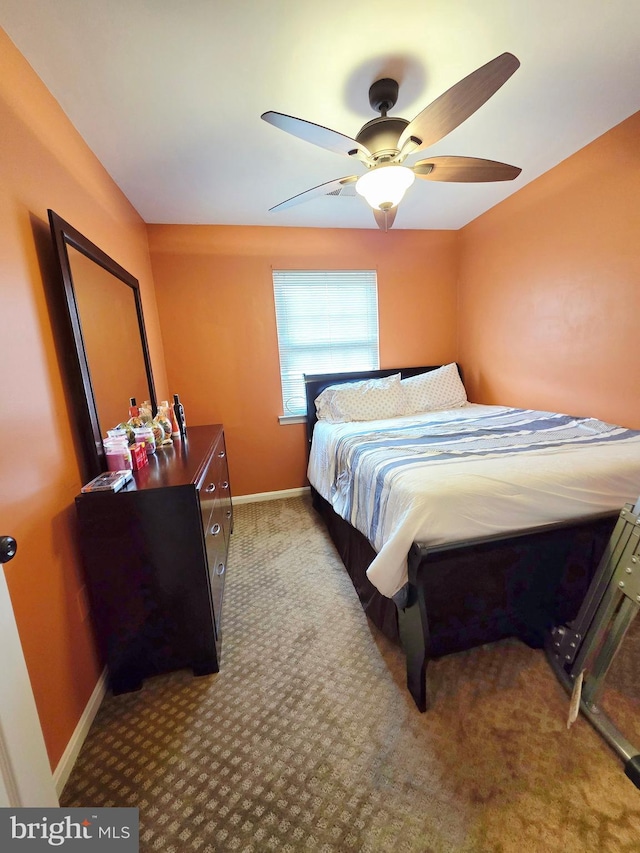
x=103 y=829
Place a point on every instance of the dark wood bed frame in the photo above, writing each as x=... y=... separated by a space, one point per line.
x=473 y=592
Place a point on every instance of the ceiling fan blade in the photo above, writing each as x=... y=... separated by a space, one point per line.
x=459 y=102
x=331 y=187
x=384 y=218
x=316 y=134
x=464 y=170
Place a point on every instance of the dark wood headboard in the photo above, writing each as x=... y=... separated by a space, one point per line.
x=315 y=383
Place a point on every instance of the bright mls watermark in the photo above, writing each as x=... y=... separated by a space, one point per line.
x=88 y=829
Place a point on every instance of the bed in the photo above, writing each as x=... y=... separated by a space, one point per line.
x=482 y=553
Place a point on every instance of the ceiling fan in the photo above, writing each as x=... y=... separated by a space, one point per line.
x=384 y=143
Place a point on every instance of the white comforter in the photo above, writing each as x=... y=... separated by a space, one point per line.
x=468 y=473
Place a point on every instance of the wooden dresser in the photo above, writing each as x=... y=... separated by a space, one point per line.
x=155 y=556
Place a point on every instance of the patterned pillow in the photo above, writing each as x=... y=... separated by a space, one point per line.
x=368 y=400
x=437 y=389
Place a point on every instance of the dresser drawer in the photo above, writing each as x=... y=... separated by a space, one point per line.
x=216 y=540
x=215 y=483
x=217 y=517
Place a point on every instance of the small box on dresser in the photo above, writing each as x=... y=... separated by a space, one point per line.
x=155 y=556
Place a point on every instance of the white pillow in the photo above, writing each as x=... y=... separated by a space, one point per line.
x=438 y=389
x=367 y=400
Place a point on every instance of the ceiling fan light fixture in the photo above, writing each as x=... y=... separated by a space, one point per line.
x=384 y=186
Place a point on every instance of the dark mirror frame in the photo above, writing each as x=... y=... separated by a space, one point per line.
x=79 y=373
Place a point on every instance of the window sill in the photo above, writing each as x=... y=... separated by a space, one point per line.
x=292 y=419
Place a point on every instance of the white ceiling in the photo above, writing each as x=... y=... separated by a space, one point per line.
x=169 y=93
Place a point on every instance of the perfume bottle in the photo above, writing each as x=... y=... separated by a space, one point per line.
x=133 y=408
x=145 y=412
x=163 y=418
x=179 y=413
x=168 y=411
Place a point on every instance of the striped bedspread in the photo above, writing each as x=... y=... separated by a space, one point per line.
x=468 y=473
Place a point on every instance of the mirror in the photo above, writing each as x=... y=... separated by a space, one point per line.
x=108 y=355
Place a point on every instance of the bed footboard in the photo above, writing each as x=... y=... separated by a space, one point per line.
x=482 y=591
x=476 y=592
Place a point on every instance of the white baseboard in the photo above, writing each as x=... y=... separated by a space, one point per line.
x=65 y=765
x=271 y=496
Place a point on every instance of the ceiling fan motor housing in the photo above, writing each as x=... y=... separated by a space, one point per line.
x=380 y=136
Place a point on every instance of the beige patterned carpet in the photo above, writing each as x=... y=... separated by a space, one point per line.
x=307 y=740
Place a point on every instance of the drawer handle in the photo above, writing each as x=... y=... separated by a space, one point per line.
x=220 y=569
x=228 y=513
x=225 y=485
x=215 y=529
x=211 y=487
x=221 y=454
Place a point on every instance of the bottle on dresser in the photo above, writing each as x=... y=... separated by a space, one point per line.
x=179 y=413
x=169 y=412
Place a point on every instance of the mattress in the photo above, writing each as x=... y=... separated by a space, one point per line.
x=468 y=473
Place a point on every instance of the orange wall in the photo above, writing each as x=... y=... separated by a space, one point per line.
x=44 y=164
x=215 y=300
x=550 y=287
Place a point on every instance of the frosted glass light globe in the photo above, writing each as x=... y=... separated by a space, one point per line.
x=384 y=186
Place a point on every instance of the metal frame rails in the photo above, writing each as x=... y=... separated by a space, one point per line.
x=582 y=652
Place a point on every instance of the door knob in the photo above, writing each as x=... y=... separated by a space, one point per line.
x=8 y=548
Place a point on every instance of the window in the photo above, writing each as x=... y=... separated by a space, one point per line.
x=327 y=323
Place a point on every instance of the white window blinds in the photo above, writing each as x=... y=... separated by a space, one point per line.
x=327 y=323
